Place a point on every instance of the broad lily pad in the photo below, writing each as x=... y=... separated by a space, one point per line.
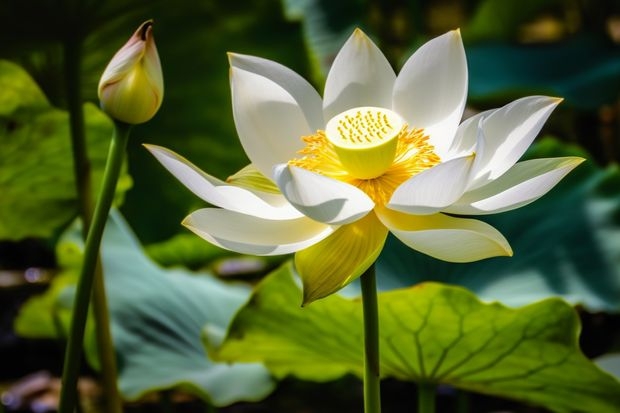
x=36 y=167
x=429 y=333
x=157 y=319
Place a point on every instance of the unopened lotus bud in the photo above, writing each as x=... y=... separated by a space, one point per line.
x=131 y=88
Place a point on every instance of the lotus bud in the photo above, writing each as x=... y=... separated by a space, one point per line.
x=131 y=88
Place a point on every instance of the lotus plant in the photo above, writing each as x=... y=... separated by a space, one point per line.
x=329 y=178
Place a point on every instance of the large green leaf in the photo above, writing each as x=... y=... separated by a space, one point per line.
x=36 y=167
x=565 y=244
x=157 y=318
x=429 y=333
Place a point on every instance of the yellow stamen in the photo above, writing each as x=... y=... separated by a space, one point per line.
x=412 y=155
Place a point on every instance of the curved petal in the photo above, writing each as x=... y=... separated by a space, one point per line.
x=525 y=182
x=446 y=238
x=431 y=89
x=250 y=178
x=433 y=189
x=248 y=234
x=321 y=198
x=304 y=94
x=269 y=121
x=219 y=193
x=360 y=76
x=466 y=136
x=337 y=260
x=509 y=131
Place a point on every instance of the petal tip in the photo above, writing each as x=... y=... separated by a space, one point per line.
x=359 y=36
x=508 y=252
x=310 y=296
x=233 y=58
x=186 y=222
x=155 y=149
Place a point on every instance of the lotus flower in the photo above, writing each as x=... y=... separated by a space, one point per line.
x=131 y=87
x=329 y=178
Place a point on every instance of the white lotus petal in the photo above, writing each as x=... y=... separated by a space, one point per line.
x=525 y=182
x=466 y=137
x=321 y=198
x=359 y=76
x=446 y=238
x=433 y=189
x=509 y=131
x=219 y=193
x=269 y=120
x=304 y=94
x=431 y=89
x=247 y=234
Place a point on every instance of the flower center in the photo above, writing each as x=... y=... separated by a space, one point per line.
x=370 y=148
x=365 y=140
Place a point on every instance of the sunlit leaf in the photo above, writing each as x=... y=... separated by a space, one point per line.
x=36 y=167
x=431 y=333
x=157 y=318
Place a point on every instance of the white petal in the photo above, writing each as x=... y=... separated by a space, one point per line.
x=525 y=182
x=431 y=89
x=304 y=94
x=321 y=198
x=269 y=121
x=219 y=193
x=359 y=76
x=446 y=238
x=466 y=136
x=433 y=189
x=251 y=235
x=509 y=131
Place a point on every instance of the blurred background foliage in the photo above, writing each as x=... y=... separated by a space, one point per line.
x=567 y=48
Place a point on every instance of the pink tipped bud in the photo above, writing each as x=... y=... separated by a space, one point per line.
x=131 y=88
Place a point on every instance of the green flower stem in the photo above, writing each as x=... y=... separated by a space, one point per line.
x=82 y=173
x=73 y=354
x=426 y=397
x=372 y=378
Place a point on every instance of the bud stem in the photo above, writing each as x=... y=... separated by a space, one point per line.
x=73 y=353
